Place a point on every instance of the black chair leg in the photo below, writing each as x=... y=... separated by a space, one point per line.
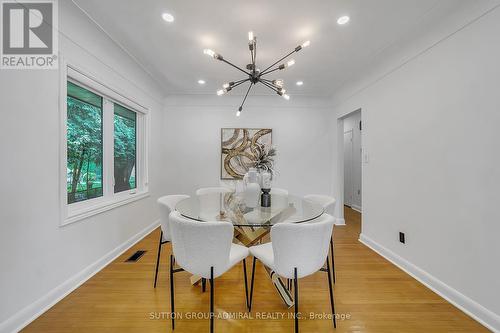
x=332 y=303
x=203 y=285
x=333 y=259
x=251 y=285
x=158 y=257
x=172 y=306
x=246 y=283
x=211 y=299
x=296 y=299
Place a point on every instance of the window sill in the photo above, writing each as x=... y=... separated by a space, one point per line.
x=75 y=215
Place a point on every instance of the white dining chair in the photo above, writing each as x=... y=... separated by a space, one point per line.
x=279 y=191
x=167 y=205
x=211 y=203
x=205 y=249
x=215 y=189
x=296 y=251
x=328 y=203
x=279 y=198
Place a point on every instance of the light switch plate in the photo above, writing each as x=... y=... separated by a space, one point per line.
x=366 y=158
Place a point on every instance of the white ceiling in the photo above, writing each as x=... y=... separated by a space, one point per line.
x=173 y=52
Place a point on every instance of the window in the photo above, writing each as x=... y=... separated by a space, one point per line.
x=105 y=158
x=84 y=144
x=125 y=149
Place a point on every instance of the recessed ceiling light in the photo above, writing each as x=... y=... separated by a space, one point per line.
x=343 y=20
x=201 y=81
x=299 y=83
x=167 y=17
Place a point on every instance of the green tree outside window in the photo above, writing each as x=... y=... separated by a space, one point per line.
x=84 y=144
x=125 y=122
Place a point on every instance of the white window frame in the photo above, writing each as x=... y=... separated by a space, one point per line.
x=80 y=210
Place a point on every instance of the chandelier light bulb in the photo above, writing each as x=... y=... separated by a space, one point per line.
x=290 y=63
x=306 y=43
x=250 y=35
x=238 y=113
x=225 y=85
x=285 y=96
x=278 y=83
x=220 y=92
x=209 y=52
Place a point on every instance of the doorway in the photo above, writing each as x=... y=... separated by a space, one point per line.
x=348 y=168
x=352 y=153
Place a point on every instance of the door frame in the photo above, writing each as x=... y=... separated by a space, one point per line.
x=340 y=164
x=351 y=132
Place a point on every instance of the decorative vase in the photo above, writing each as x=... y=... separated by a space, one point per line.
x=252 y=188
x=251 y=196
x=265 y=180
x=265 y=184
x=252 y=176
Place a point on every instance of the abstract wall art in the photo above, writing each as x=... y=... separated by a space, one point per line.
x=238 y=149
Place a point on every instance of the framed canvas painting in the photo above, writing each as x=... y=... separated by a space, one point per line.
x=237 y=149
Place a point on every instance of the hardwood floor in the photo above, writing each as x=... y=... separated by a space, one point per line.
x=372 y=294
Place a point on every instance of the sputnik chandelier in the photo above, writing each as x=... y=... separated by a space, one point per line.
x=253 y=74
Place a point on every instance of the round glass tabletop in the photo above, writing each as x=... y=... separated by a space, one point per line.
x=231 y=207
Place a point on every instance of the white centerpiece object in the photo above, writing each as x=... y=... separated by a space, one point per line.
x=252 y=188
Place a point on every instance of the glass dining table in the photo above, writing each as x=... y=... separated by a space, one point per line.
x=251 y=224
x=231 y=207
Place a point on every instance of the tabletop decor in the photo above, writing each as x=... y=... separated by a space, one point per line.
x=264 y=162
x=252 y=181
x=265 y=184
x=253 y=74
x=244 y=148
x=264 y=157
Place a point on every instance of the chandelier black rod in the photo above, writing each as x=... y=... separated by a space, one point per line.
x=270 y=71
x=238 y=68
x=252 y=52
x=239 y=83
x=269 y=86
x=246 y=95
x=236 y=82
x=289 y=54
x=255 y=54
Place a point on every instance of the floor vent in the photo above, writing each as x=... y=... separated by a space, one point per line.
x=136 y=256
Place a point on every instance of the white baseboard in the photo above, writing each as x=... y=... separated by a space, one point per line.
x=478 y=312
x=357 y=208
x=22 y=318
x=339 y=221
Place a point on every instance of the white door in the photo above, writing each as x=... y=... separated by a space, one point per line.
x=348 y=169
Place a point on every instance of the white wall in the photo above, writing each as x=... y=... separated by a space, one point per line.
x=41 y=260
x=300 y=131
x=351 y=123
x=431 y=133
